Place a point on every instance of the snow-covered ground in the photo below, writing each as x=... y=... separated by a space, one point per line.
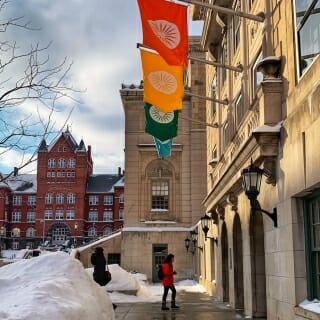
x=56 y=286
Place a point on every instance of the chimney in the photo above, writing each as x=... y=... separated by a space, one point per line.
x=15 y=171
x=89 y=152
x=119 y=171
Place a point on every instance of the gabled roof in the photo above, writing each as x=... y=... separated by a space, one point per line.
x=68 y=137
x=102 y=183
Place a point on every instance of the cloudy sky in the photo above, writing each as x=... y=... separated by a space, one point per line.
x=99 y=37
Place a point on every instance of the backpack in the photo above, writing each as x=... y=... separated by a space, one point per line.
x=160 y=272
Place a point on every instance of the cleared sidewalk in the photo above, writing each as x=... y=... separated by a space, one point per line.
x=193 y=306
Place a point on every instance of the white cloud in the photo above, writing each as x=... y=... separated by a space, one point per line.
x=100 y=38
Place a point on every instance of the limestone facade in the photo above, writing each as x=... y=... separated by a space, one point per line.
x=272 y=119
x=150 y=234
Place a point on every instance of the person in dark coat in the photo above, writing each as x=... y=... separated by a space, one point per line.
x=167 y=282
x=99 y=266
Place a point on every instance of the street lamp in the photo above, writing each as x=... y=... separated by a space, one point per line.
x=75 y=229
x=187 y=243
x=2 y=233
x=43 y=221
x=194 y=238
x=251 y=183
x=205 y=222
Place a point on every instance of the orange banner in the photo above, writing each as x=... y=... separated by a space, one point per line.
x=165 y=29
x=163 y=84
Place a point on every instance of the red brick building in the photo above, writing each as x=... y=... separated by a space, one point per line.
x=64 y=203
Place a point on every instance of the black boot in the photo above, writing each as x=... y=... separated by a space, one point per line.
x=164 y=307
x=173 y=305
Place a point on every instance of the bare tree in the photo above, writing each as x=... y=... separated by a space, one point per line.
x=29 y=95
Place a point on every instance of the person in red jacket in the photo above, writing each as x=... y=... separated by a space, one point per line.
x=167 y=282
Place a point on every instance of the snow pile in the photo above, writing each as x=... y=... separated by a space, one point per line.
x=51 y=286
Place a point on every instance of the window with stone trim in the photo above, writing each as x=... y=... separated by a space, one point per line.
x=307 y=31
x=49 y=198
x=159 y=191
x=31 y=216
x=48 y=214
x=51 y=163
x=59 y=214
x=17 y=200
x=108 y=200
x=16 y=216
x=93 y=200
x=257 y=77
x=31 y=232
x=93 y=216
x=121 y=214
x=70 y=214
x=71 y=163
x=108 y=216
x=61 y=163
x=32 y=200
x=60 y=198
x=71 y=198
x=160 y=195
x=312 y=245
x=236 y=27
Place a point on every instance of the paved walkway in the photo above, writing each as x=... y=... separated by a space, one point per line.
x=193 y=306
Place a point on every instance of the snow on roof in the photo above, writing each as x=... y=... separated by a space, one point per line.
x=266 y=128
x=22 y=183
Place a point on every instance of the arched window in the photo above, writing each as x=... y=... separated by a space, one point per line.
x=15 y=232
x=107 y=231
x=51 y=163
x=60 y=198
x=71 y=163
x=31 y=232
x=92 y=232
x=61 y=163
x=71 y=198
x=49 y=198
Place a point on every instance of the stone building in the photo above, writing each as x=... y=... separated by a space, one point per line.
x=64 y=203
x=152 y=228
x=266 y=260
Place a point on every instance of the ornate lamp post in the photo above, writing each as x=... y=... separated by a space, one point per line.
x=2 y=233
x=251 y=183
x=187 y=243
x=75 y=232
x=205 y=225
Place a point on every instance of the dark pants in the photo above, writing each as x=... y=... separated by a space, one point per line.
x=165 y=293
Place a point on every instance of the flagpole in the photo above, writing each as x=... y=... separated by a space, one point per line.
x=215 y=125
x=260 y=17
x=225 y=102
x=217 y=64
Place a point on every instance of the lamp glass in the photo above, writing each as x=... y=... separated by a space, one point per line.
x=194 y=236
x=205 y=220
x=187 y=242
x=251 y=181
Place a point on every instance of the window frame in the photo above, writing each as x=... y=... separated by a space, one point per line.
x=312 y=254
x=93 y=200
x=108 y=216
x=108 y=200
x=165 y=203
x=300 y=25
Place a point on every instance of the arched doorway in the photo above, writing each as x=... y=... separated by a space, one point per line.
x=238 y=263
x=225 y=262
x=258 y=273
x=59 y=233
